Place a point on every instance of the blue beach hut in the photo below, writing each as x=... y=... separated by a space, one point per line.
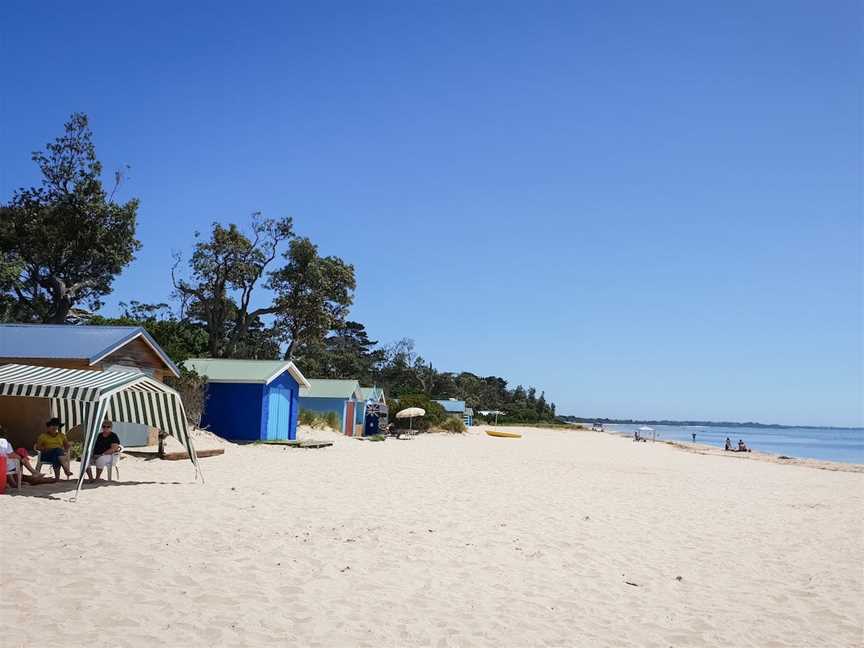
x=250 y=400
x=457 y=409
x=342 y=397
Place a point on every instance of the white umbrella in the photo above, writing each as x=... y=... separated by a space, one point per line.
x=410 y=413
x=645 y=428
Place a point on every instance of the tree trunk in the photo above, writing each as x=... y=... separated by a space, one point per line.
x=289 y=352
x=61 y=301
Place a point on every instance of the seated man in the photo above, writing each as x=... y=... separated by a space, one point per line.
x=54 y=447
x=742 y=447
x=106 y=446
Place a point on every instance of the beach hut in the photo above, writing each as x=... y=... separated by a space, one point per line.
x=91 y=348
x=250 y=400
x=469 y=417
x=456 y=409
x=342 y=397
x=375 y=404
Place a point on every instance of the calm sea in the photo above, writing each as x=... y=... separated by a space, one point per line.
x=846 y=445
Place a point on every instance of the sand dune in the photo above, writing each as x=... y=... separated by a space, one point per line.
x=556 y=539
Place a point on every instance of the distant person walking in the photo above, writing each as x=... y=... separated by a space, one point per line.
x=693 y=434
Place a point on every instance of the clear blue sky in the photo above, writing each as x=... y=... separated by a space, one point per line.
x=645 y=209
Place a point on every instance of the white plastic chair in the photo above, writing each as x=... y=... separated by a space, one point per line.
x=39 y=463
x=114 y=463
x=16 y=469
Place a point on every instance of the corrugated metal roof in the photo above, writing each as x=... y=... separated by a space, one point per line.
x=220 y=370
x=452 y=406
x=67 y=341
x=321 y=388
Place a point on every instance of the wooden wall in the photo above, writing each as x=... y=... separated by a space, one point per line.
x=23 y=419
x=137 y=353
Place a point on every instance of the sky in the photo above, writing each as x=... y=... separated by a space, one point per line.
x=648 y=210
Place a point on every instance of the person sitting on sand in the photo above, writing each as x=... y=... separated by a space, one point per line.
x=106 y=446
x=742 y=447
x=54 y=447
x=728 y=446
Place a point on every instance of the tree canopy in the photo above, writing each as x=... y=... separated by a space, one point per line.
x=306 y=297
x=258 y=293
x=63 y=243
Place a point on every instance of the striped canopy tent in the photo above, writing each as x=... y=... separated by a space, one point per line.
x=86 y=397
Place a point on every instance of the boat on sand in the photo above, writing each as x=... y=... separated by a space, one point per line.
x=504 y=435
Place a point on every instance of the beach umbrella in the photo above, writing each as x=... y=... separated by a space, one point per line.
x=410 y=413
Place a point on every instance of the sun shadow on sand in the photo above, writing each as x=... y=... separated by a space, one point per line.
x=52 y=490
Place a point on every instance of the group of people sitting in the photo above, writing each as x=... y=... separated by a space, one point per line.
x=53 y=447
x=742 y=447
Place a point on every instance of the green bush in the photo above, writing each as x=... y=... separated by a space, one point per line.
x=307 y=418
x=76 y=448
x=453 y=424
x=331 y=420
x=435 y=414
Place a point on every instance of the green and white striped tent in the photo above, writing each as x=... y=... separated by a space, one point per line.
x=86 y=397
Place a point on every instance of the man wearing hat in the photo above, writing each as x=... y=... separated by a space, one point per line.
x=54 y=448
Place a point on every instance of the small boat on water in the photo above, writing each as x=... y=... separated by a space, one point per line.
x=504 y=435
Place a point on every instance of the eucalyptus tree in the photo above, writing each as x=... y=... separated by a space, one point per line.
x=224 y=272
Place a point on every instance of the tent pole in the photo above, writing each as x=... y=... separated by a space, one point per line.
x=94 y=422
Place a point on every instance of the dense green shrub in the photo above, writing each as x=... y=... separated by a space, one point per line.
x=452 y=424
x=435 y=414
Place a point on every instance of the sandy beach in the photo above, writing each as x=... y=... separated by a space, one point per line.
x=560 y=538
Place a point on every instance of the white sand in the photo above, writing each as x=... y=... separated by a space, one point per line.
x=442 y=541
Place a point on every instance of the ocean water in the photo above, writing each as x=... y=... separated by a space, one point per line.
x=846 y=445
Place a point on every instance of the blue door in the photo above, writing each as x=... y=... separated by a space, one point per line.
x=278 y=413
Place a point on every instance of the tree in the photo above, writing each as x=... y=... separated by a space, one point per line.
x=313 y=294
x=181 y=339
x=346 y=353
x=225 y=270
x=62 y=243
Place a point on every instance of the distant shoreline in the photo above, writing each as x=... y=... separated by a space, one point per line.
x=728 y=424
x=714 y=451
